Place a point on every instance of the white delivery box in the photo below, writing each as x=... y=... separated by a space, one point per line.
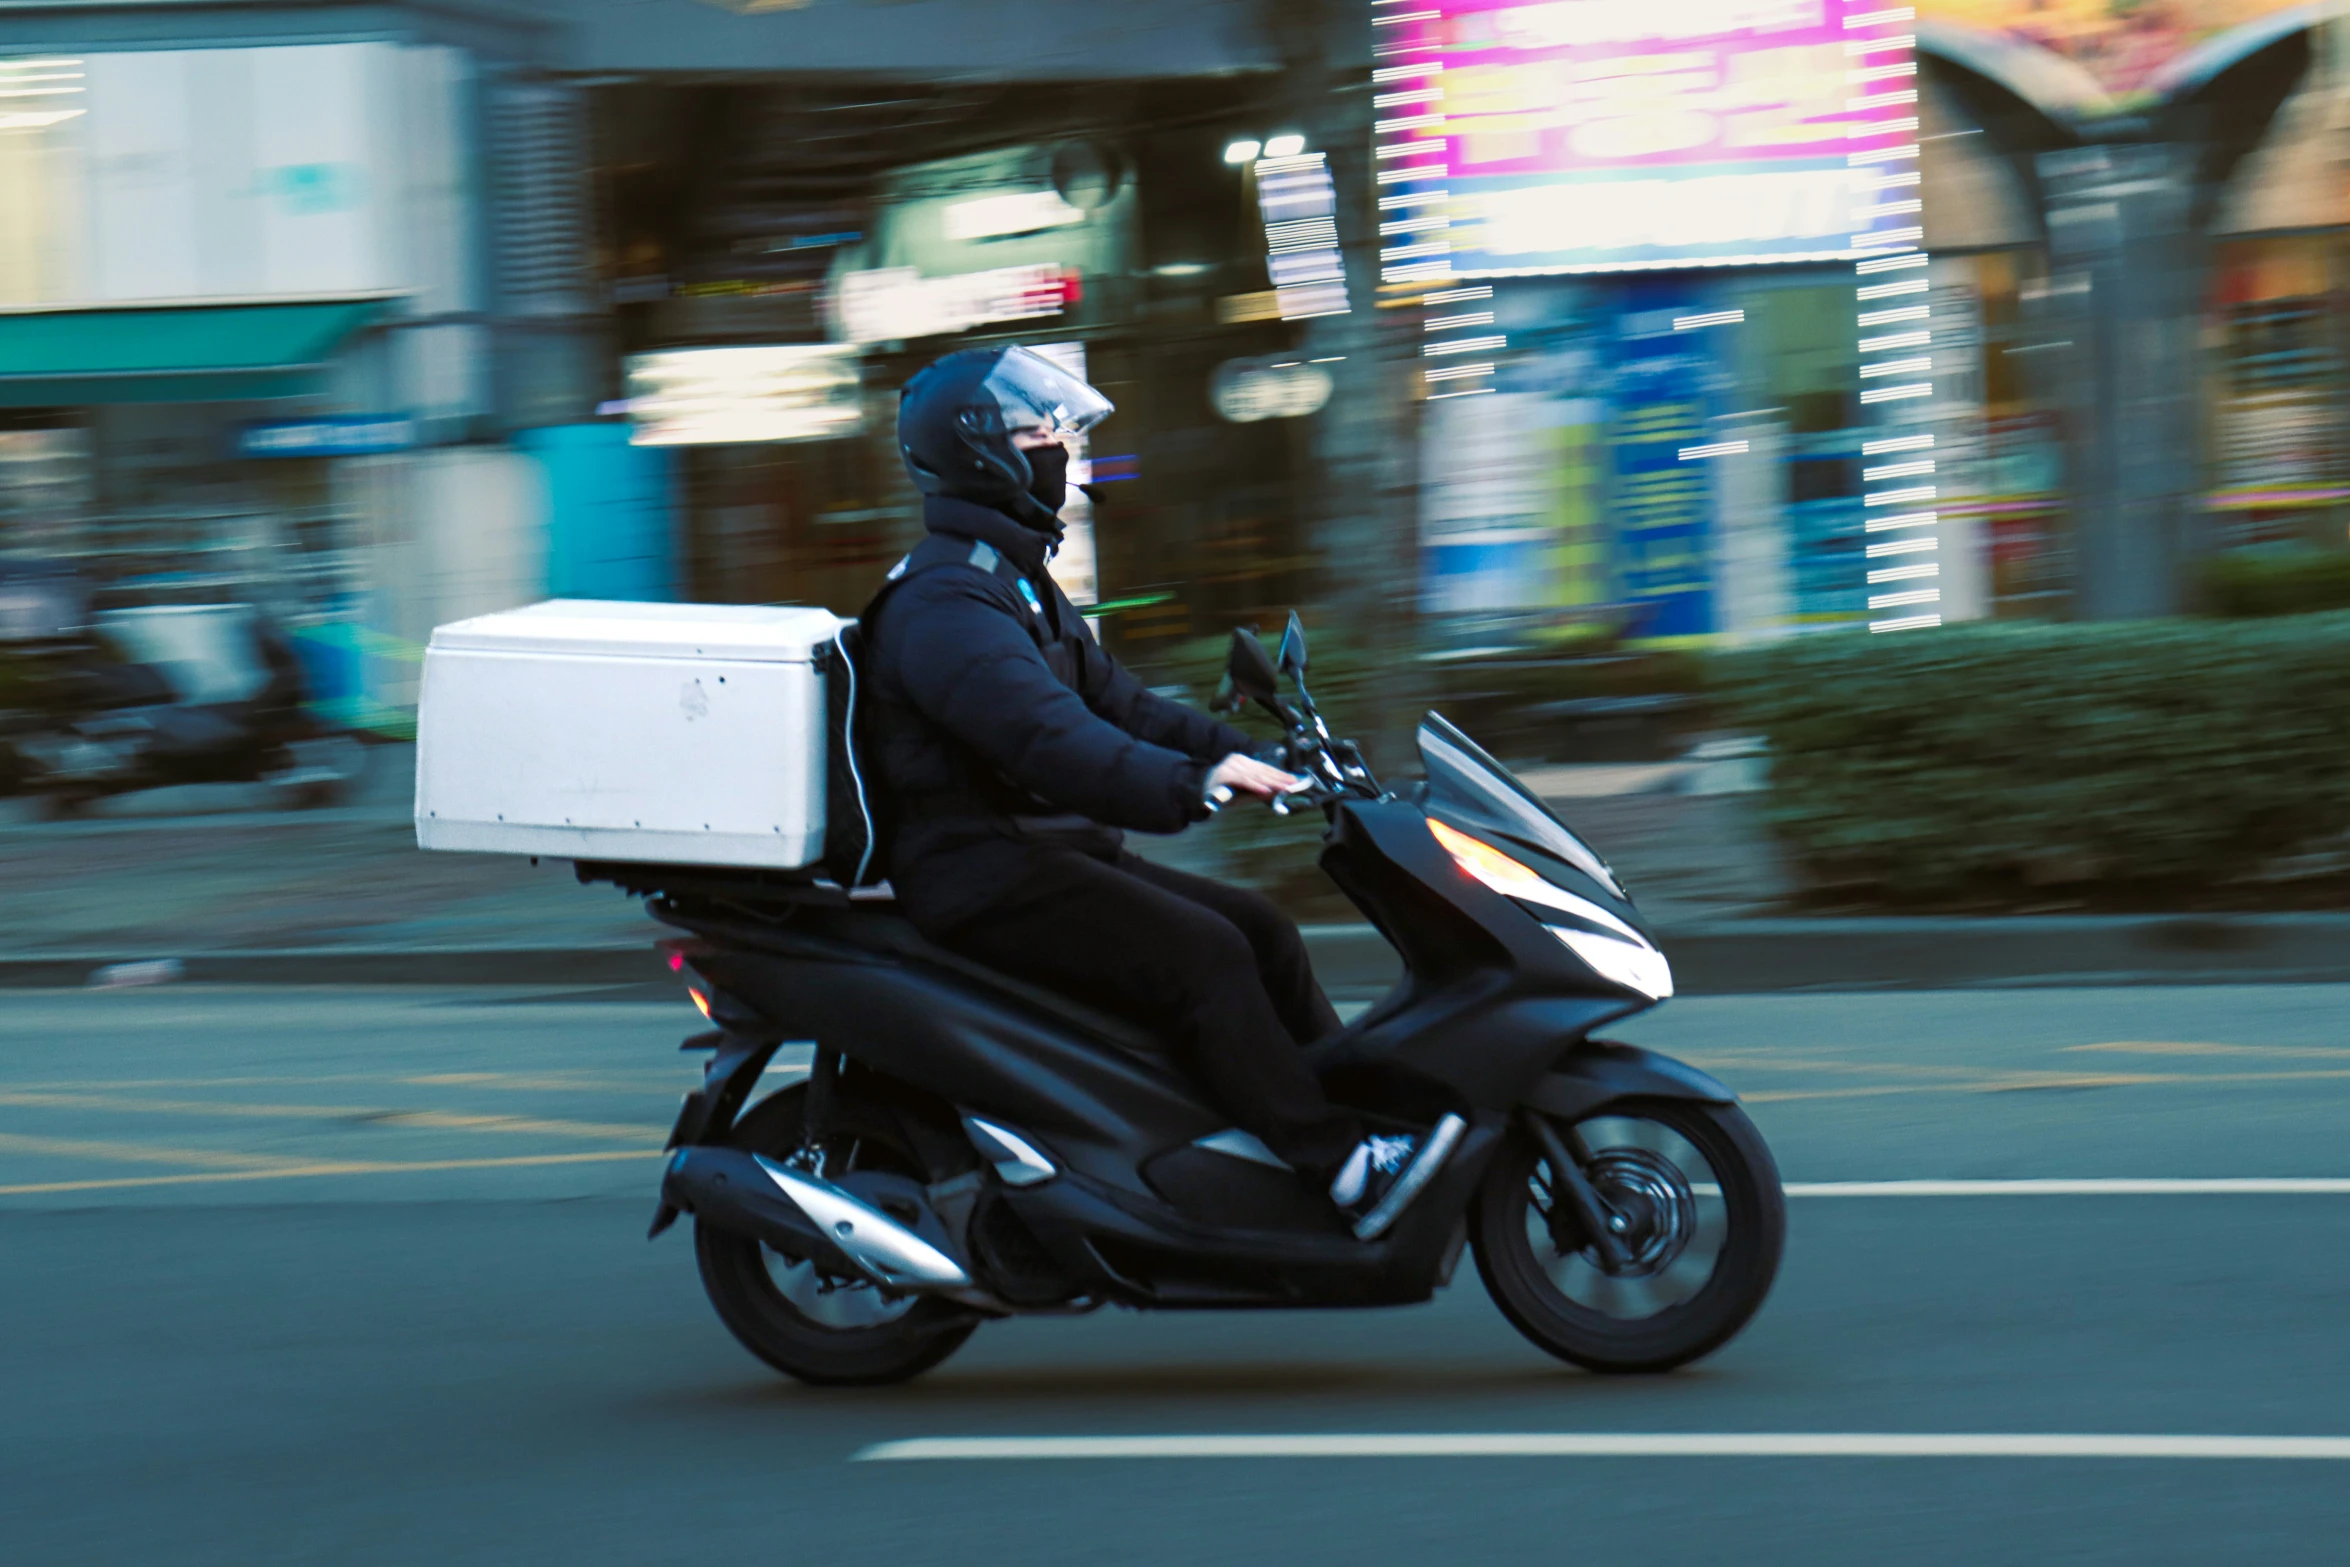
x=665 y=733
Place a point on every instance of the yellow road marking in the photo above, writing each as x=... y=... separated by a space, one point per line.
x=452 y=1121
x=2163 y=1047
x=445 y=1120
x=513 y=1081
x=1876 y=1091
x=2016 y=1082
x=1762 y=1063
x=2020 y=1082
x=651 y=1083
x=141 y=1153
x=325 y=1167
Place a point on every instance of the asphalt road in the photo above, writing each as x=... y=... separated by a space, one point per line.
x=293 y=1277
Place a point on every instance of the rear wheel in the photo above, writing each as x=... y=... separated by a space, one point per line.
x=1697 y=1210
x=816 y=1326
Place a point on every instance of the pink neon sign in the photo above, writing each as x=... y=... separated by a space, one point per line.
x=1602 y=135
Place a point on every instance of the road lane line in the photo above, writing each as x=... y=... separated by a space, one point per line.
x=142 y=1153
x=439 y=1120
x=661 y=1082
x=2060 y=1082
x=1580 y=1444
x=2103 y=1186
x=327 y=1167
x=2185 y=1047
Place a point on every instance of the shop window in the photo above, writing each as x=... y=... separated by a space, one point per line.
x=2278 y=468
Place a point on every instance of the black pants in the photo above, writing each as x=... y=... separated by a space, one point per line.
x=1218 y=971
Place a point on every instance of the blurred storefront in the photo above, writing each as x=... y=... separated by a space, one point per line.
x=2276 y=328
x=256 y=311
x=870 y=232
x=616 y=300
x=1681 y=450
x=1652 y=401
x=2274 y=340
x=224 y=272
x=2170 y=384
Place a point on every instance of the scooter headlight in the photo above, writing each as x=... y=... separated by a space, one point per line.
x=1616 y=951
x=1640 y=968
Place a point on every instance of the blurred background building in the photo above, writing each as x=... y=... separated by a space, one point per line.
x=384 y=314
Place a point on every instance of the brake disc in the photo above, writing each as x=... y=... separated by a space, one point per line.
x=1649 y=1192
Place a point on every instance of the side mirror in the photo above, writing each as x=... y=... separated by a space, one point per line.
x=1250 y=670
x=1226 y=701
x=1293 y=647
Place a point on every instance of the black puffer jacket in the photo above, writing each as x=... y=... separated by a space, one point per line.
x=998 y=726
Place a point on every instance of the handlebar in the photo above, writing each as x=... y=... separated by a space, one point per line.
x=1333 y=766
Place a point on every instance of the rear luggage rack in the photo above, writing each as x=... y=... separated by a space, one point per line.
x=722 y=883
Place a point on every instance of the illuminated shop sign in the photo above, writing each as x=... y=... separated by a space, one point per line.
x=742 y=396
x=1615 y=135
x=1010 y=212
x=899 y=304
x=357 y=435
x=1300 y=210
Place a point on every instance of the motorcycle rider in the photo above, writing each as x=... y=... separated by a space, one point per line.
x=1012 y=749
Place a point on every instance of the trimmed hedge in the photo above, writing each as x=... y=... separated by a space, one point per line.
x=2172 y=762
x=2291 y=581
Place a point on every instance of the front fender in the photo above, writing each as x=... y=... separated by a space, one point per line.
x=1599 y=1072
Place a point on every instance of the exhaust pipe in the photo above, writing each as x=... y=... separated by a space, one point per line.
x=802 y=1216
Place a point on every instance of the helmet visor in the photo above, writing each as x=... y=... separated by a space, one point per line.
x=1031 y=392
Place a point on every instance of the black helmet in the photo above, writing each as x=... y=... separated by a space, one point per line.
x=957 y=417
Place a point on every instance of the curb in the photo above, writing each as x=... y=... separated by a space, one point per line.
x=1931 y=954
x=634 y=964
x=1756 y=956
x=1747 y=957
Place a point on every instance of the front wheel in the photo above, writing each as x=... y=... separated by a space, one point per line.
x=1703 y=1220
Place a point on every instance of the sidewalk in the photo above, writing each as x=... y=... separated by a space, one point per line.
x=235 y=895
x=195 y=870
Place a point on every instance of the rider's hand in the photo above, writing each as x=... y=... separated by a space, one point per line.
x=1246 y=775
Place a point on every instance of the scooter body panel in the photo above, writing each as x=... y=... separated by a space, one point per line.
x=1090 y=1102
x=1600 y=1072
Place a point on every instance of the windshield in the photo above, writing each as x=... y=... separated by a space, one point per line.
x=1473 y=790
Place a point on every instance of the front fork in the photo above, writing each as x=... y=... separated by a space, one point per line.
x=1579 y=1217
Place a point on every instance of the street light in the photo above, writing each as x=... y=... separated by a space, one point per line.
x=1241 y=152
x=1288 y=145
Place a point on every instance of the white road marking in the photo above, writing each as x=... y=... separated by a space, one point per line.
x=2103 y=1186
x=1596 y=1444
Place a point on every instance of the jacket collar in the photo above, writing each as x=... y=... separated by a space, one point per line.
x=1023 y=546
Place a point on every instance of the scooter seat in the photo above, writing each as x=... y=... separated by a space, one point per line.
x=874 y=924
x=713 y=900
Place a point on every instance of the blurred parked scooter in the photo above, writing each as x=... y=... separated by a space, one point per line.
x=147 y=697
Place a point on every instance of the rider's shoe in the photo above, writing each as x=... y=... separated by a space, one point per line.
x=1382 y=1176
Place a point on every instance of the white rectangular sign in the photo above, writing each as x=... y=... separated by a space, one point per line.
x=744 y=396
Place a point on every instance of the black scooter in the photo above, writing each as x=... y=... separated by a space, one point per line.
x=966 y=1146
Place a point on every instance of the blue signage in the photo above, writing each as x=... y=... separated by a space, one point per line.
x=1662 y=504
x=338 y=435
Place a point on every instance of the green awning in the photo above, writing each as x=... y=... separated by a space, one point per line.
x=172 y=353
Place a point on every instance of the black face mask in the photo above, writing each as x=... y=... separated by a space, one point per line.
x=1048 y=482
